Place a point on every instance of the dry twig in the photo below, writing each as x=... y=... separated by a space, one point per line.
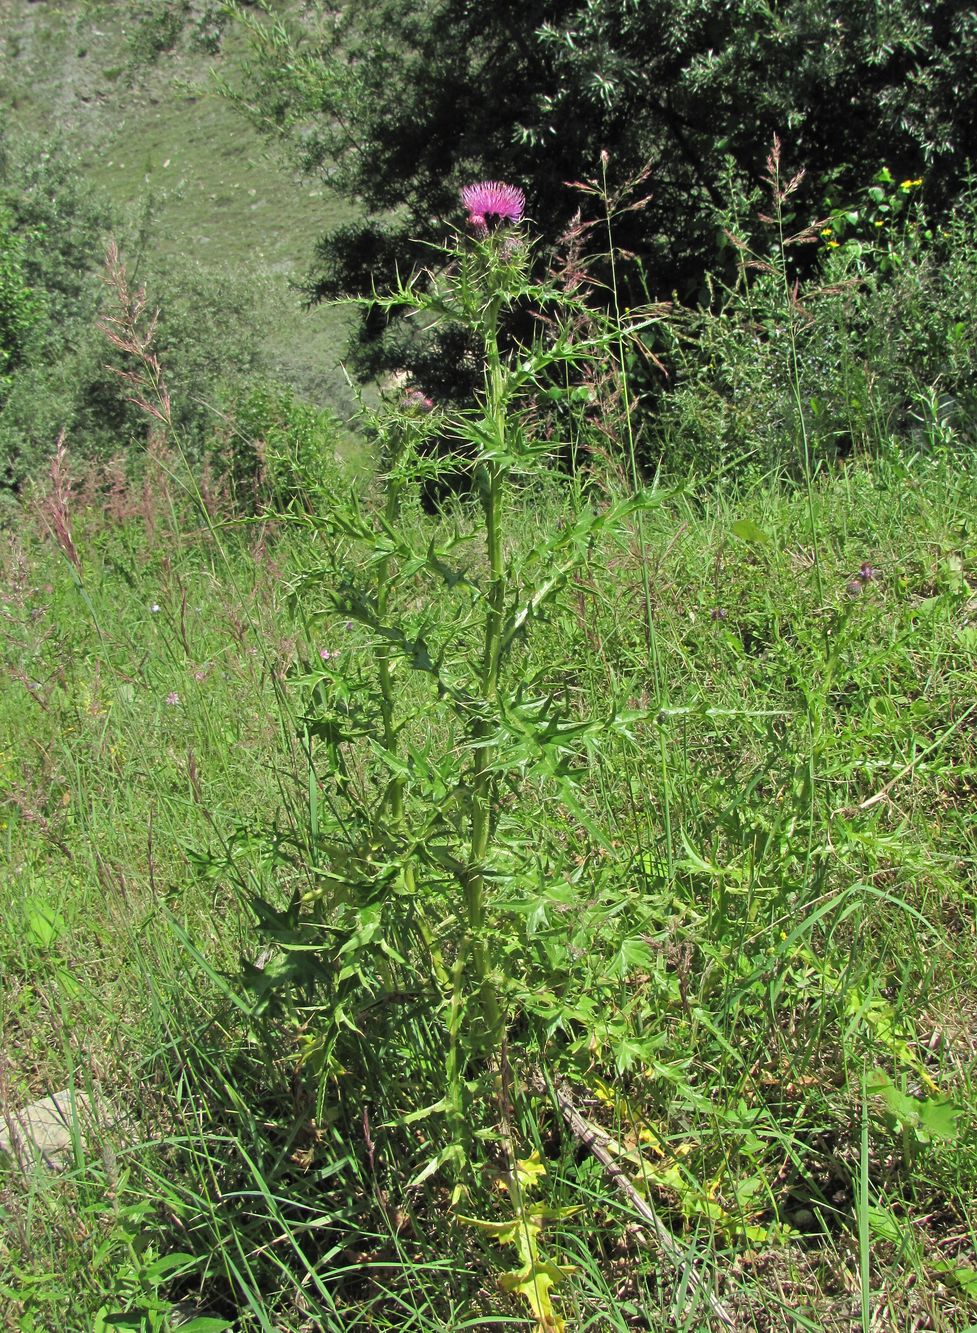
x=597 y=1143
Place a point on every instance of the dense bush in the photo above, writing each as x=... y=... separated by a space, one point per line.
x=273 y=450
x=880 y=330
x=18 y=305
x=52 y=240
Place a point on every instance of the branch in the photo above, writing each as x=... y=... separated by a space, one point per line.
x=596 y=1142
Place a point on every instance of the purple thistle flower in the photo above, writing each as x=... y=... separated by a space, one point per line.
x=490 y=203
x=419 y=402
x=173 y=699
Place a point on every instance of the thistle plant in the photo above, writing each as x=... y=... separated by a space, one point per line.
x=434 y=739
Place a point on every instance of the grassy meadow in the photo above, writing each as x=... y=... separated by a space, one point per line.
x=768 y=889
x=503 y=861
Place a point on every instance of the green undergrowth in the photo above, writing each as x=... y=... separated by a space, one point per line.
x=758 y=929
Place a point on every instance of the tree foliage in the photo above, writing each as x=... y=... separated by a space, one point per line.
x=399 y=105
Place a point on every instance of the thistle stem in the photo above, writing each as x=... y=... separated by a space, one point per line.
x=492 y=486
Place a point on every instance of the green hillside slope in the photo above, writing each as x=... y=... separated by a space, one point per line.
x=191 y=178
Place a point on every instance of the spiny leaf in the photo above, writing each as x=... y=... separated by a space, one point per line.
x=529 y=1171
x=534 y=1283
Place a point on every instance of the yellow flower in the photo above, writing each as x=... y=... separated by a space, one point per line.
x=827 y=231
x=909 y=185
x=832 y=245
x=879 y=222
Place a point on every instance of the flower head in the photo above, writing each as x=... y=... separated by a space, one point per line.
x=416 y=401
x=490 y=203
x=173 y=699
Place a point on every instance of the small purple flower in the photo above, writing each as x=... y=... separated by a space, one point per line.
x=415 y=401
x=490 y=203
x=173 y=699
x=327 y=656
x=868 y=573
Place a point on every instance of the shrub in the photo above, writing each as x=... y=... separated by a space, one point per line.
x=19 y=305
x=880 y=331
x=56 y=371
x=274 y=451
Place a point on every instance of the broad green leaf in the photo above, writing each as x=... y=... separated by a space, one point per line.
x=884 y=1224
x=929 y=1117
x=204 y=1324
x=168 y=1263
x=45 y=925
x=938 y=1116
x=963 y=1275
x=748 y=531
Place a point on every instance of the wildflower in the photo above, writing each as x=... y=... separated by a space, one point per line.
x=327 y=656
x=867 y=573
x=854 y=588
x=490 y=203
x=172 y=699
x=906 y=186
x=717 y=613
x=416 y=401
x=833 y=245
x=827 y=231
x=155 y=608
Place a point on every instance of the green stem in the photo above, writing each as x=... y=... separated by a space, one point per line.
x=492 y=485
x=660 y=683
x=394 y=799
